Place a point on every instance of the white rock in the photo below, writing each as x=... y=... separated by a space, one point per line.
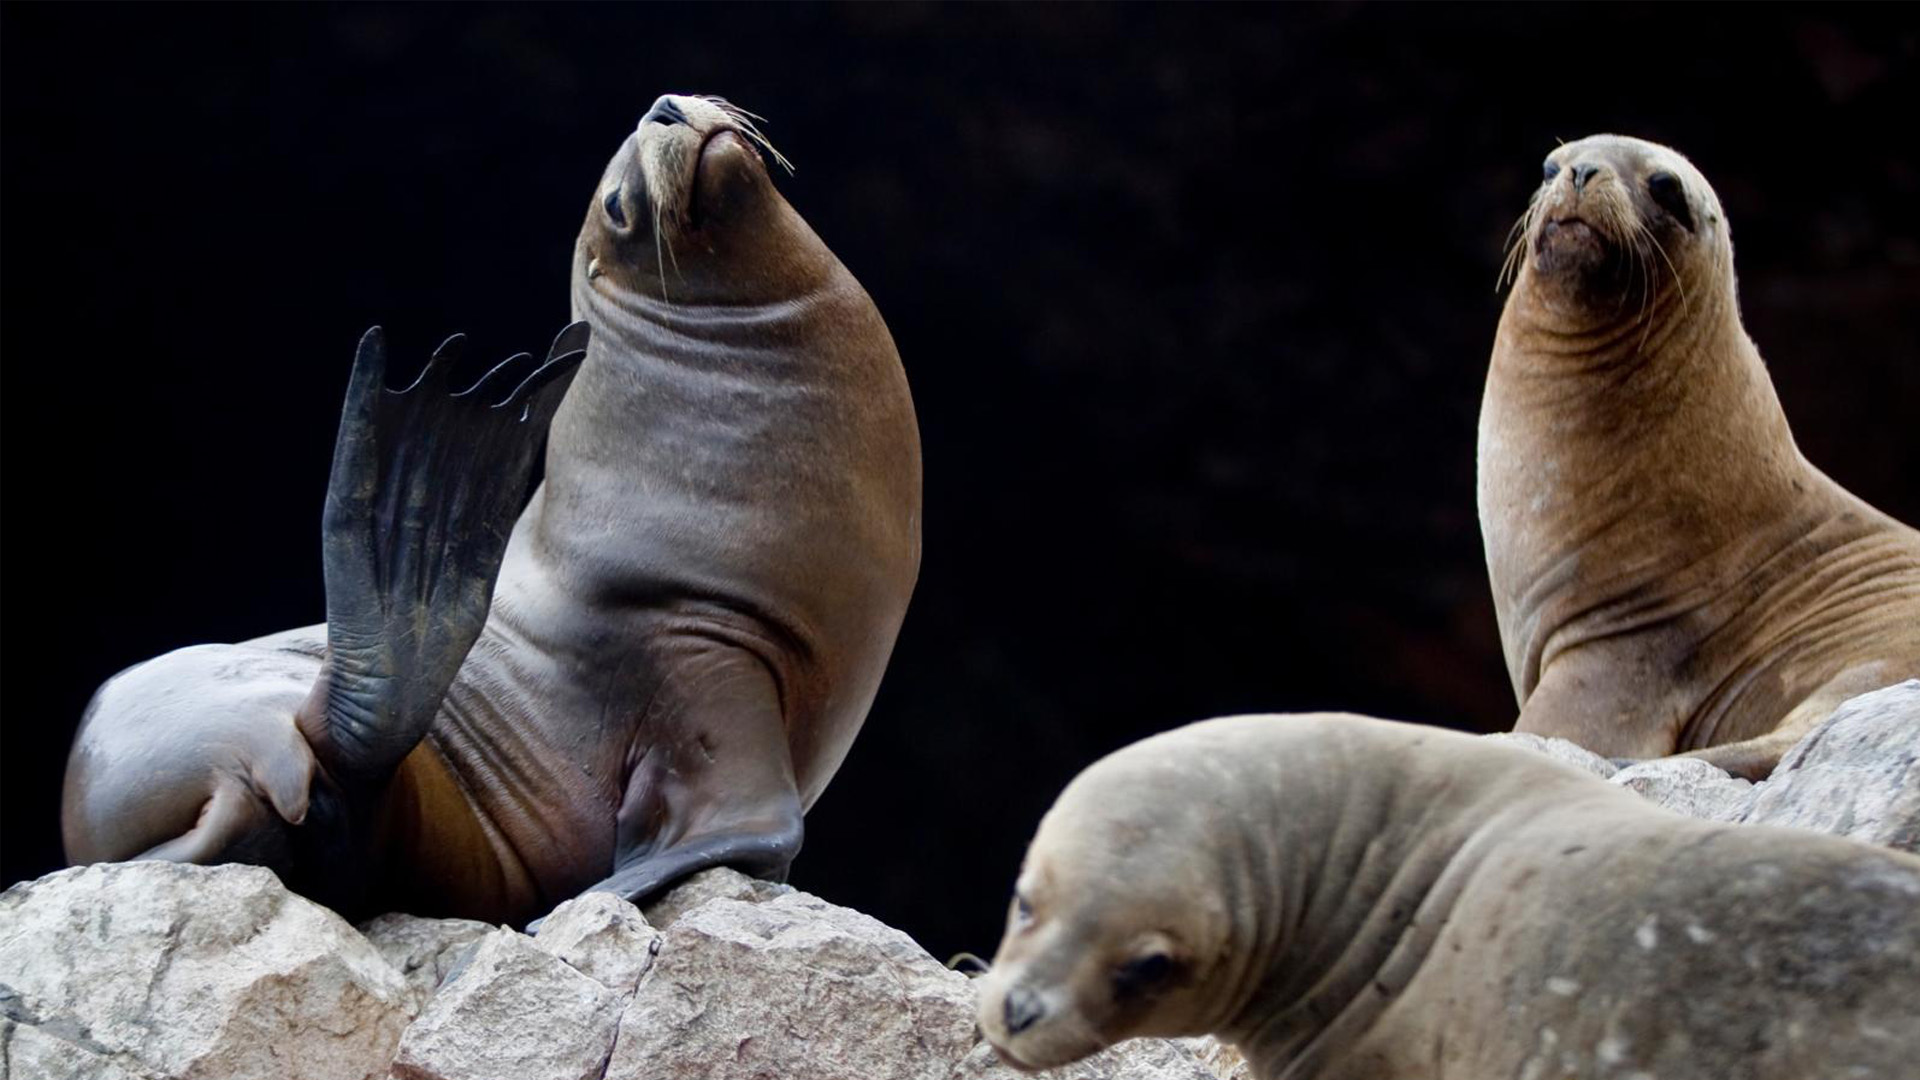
x=513 y=1011
x=1224 y=1059
x=1857 y=774
x=163 y=970
x=603 y=937
x=1689 y=786
x=719 y=883
x=800 y=989
x=423 y=951
x=1561 y=750
x=29 y=1052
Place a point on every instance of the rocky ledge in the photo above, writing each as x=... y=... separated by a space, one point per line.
x=158 y=970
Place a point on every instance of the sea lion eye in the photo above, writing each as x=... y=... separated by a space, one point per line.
x=613 y=207
x=1669 y=196
x=1022 y=910
x=1550 y=170
x=1141 y=974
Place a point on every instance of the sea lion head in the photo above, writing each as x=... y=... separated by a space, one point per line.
x=1116 y=928
x=686 y=213
x=1618 y=221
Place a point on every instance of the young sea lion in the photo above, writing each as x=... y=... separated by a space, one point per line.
x=1344 y=897
x=1669 y=573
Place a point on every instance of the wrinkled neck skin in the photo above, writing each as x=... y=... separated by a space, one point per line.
x=1619 y=443
x=1335 y=910
x=685 y=374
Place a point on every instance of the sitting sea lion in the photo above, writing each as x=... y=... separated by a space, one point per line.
x=686 y=628
x=1668 y=572
x=1344 y=897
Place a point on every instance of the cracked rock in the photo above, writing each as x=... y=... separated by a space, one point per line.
x=1857 y=774
x=514 y=1011
x=423 y=951
x=719 y=883
x=160 y=970
x=800 y=989
x=603 y=937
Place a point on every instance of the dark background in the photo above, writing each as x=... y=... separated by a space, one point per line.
x=1196 y=303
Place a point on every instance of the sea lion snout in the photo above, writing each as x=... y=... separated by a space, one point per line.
x=665 y=111
x=1021 y=1008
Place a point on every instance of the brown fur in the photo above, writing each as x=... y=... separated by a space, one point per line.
x=1670 y=575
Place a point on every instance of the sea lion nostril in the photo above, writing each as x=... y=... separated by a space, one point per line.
x=1582 y=174
x=1022 y=1009
x=664 y=111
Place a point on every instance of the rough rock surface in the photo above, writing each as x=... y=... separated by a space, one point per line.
x=424 y=951
x=1223 y=1058
x=717 y=884
x=1857 y=774
x=603 y=937
x=161 y=970
x=1562 y=750
x=513 y=1010
x=797 y=988
x=1689 y=786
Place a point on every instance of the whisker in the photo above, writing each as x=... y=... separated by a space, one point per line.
x=660 y=263
x=745 y=121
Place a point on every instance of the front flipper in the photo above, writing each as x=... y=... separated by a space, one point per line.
x=764 y=854
x=712 y=780
x=426 y=485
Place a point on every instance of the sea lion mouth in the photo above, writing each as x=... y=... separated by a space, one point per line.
x=1013 y=1059
x=1567 y=231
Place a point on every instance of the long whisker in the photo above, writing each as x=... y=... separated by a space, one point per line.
x=1516 y=243
x=660 y=264
x=745 y=121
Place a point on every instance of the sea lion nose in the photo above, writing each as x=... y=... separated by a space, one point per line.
x=664 y=111
x=1023 y=1007
x=1582 y=174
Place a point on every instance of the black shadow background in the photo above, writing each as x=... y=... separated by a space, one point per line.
x=1196 y=303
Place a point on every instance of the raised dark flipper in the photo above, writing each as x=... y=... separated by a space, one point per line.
x=426 y=485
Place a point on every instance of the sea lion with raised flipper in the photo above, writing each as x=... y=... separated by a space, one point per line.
x=1669 y=573
x=1346 y=898
x=685 y=631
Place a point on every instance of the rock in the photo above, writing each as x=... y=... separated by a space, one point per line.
x=603 y=937
x=423 y=951
x=720 y=883
x=1223 y=1059
x=1561 y=750
x=1857 y=774
x=1688 y=786
x=1136 y=1059
x=28 y=1052
x=800 y=989
x=513 y=1010
x=156 y=969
